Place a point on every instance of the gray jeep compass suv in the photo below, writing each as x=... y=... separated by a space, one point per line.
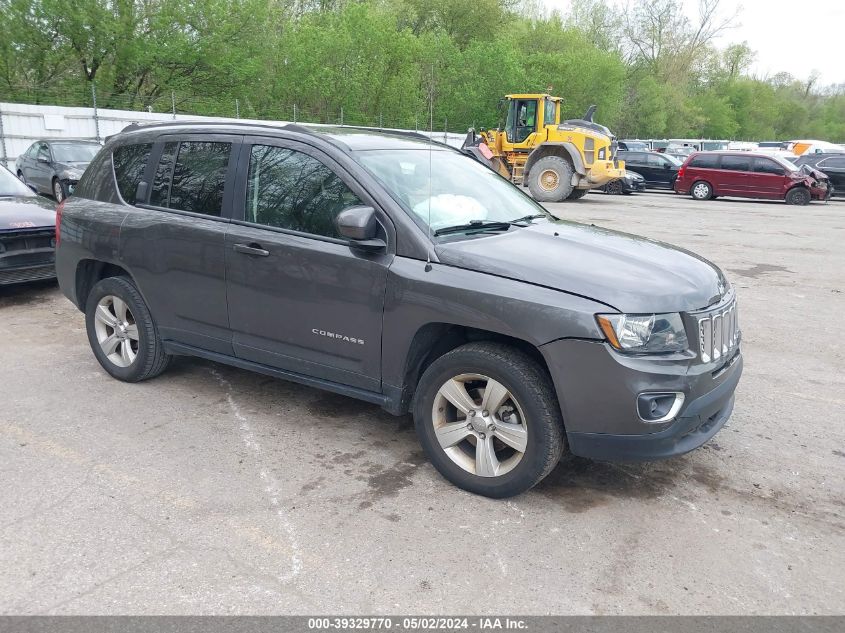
x=387 y=268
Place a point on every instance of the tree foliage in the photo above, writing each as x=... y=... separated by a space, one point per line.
x=651 y=70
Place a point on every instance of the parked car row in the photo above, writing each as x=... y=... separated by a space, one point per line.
x=708 y=175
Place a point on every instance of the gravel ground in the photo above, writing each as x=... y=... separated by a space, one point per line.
x=215 y=490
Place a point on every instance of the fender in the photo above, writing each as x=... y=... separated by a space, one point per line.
x=543 y=149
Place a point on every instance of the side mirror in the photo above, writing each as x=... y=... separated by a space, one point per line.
x=43 y=159
x=359 y=225
x=141 y=192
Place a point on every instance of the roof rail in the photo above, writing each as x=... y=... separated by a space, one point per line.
x=197 y=123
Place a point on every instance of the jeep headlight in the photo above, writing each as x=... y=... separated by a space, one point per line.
x=644 y=333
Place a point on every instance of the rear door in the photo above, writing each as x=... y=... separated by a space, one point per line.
x=768 y=178
x=173 y=245
x=734 y=176
x=300 y=298
x=834 y=167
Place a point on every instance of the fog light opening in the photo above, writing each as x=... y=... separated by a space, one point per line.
x=659 y=407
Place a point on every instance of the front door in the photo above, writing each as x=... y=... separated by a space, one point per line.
x=301 y=298
x=522 y=122
x=834 y=167
x=767 y=181
x=39 y=171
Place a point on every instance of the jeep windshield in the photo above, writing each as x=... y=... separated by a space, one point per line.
x=449 y=192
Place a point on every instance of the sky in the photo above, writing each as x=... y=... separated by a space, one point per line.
x=790 y=36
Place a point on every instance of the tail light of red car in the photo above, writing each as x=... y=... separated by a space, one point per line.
x=681 y=170
x=59 y=210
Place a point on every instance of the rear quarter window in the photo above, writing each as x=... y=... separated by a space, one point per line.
x=130 y=161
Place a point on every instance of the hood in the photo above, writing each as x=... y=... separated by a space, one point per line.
x=74 y=167
x=26 y=213
x=629 y=273
x=812 y=172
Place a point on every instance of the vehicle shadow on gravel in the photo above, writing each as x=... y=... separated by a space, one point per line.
x=388 y=458
x=579 y=484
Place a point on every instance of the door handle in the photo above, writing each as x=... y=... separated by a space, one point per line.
x=252 y=249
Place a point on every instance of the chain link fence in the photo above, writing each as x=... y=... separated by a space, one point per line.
x=108 y=113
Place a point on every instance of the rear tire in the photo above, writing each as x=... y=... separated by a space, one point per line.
x=798 y=196
x=550 y=179
x=701 y=190
x=122 y=333
x=523 y=409
x=577 y=194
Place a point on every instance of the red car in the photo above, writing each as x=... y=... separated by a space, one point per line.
x=706 y=175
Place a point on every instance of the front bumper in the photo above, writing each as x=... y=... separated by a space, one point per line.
x=27 y=255
x=598 y=389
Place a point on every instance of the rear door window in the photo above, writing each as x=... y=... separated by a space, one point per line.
x=130 y=161
x=736 y=163
x=191 y=176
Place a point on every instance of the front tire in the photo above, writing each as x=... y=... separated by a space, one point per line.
x=798 y=196
x=488 y=419
x=59 y=192
x=550 y=179
x=615 y=187
x=701 y=190
x=122 y=333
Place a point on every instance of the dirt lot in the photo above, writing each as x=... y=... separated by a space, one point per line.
x=214 y=490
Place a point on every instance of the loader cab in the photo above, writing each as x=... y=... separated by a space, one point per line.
x=527 y=116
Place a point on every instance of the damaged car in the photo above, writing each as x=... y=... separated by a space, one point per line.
x=54 y=167
x=707 y=175
x=27 y=233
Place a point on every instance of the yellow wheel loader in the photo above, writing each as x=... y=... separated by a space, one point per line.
x=557 y=161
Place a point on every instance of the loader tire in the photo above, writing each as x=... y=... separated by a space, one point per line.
x=550 y=179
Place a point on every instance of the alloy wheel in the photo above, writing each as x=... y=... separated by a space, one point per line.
x=700 y=190
x=58 y=193
x=549 y=179
x=479 y=425
x=117 y=332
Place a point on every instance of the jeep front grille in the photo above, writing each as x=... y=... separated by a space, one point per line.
x=718 y=331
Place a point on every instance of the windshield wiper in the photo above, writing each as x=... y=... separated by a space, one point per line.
x=526 y=218
x=474 y=225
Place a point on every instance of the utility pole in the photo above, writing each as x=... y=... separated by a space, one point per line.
x=237 y=109
x=96 y=117
x=173 y=103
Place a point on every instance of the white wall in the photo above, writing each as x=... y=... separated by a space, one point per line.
x=24 y=124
